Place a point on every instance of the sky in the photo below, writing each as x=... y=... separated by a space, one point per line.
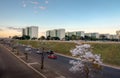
x=102 y=16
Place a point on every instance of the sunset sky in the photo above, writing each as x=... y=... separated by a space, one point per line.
x=102 y=16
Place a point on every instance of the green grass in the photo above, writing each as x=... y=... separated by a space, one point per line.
x=110 y=52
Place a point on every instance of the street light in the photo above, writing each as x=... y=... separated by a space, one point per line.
x=42 y=54
x=42 y=58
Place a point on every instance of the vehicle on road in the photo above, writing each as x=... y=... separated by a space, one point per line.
x=52 y=56
x=38 y=52
x=50 y=52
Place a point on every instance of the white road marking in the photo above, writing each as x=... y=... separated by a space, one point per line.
x=61 y=77
x=32 y=63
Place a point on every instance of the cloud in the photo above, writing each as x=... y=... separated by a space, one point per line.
x=24 y=4
x=46 y=2
x=42 y=7
x=13 y=28
x=34 y=2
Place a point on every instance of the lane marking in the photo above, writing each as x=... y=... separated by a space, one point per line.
x=32 y=63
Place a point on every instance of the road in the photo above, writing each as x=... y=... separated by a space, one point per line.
x=11 y=67
x=61 y=66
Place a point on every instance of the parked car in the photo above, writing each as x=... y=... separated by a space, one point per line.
x=52 y=56
x=50 y=52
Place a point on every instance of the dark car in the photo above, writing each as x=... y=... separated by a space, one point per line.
x=50 y=52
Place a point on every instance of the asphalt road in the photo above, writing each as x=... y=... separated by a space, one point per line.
x=11 y=67
x=61 y=66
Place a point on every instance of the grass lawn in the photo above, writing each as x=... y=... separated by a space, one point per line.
x=110 y=52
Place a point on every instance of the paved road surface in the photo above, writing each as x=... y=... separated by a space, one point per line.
x=61 y=66
x=11 y=67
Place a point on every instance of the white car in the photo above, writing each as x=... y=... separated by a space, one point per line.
x=38 y=52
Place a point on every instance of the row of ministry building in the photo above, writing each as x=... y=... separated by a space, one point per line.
x=32 y=31
x=61 y=34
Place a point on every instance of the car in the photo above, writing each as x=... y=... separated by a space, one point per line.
x=38 y=52
x=52 y=56
x=50 y=52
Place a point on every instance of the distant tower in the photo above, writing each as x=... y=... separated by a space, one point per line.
x=60 y=33
x=30 y=31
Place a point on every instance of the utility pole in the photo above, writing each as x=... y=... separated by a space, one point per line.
x=42 y=59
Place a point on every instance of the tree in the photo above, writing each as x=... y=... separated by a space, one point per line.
x=103 y=37
x=67 y=38
x=25 y=37
x=87 y=37
x=48 y=37
x=88 y=63
x=55 y=38
x=42 y=38
x=73 y=37
x=34 y=38
x=15 y=37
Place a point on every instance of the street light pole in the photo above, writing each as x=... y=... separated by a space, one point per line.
x=42 y=59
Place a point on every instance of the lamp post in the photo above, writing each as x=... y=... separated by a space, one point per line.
x=42 y=58
x=42 y=54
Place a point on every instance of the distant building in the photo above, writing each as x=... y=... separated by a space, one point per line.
x=88 y=34
x=60 y=33
x=77 y=33
x=104 y=36
x=114 y=37
x=24 y=31
x=95 y=35
x=118 y=33
x=30 y=31
x=48 y=33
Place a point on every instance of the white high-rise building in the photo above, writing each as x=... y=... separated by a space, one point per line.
x=95 y=35
x=56 y=33
x=77 y=33
x=61 y=33
x=31 y=31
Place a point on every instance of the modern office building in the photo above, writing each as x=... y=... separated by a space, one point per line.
x=105 y=36
x=114 y=37
x=61 y=33
x=77 y=33
x=88 y=34
x=31 y=31
x=56 y=33
x=93 y=35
